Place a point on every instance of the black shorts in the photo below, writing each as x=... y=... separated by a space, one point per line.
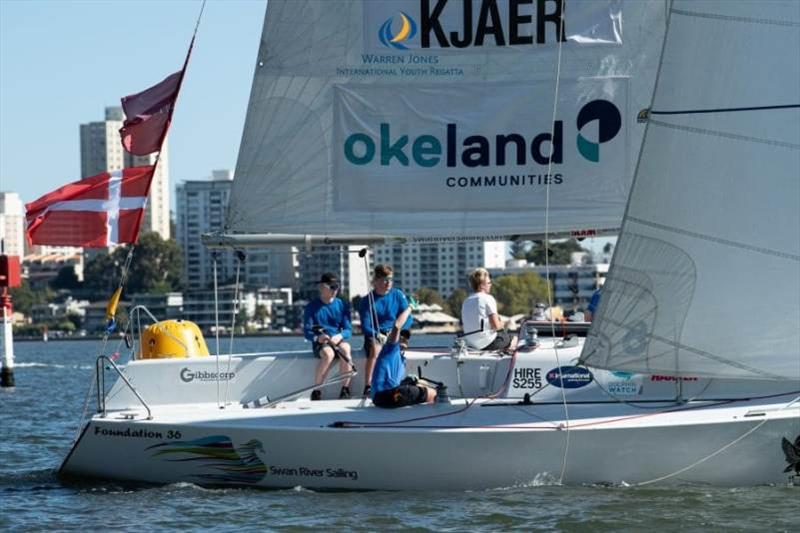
x=400 y=396
x=501 y=342
x=317 y=347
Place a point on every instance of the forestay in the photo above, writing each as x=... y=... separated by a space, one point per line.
x=705 y=279
x=435 y=118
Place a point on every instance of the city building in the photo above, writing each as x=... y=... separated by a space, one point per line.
x=572 y=285
x=166 y=306
x=101 y=151
x=12 y=224
x=202 y=208
x=41 y=269
x=59 y=310
x=442 y=267
x=343 y=261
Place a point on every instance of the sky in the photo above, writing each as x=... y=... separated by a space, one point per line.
x=63 y=62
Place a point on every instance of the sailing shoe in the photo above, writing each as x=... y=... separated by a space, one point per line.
x=367 y=391
x=344 y=394
x=316 y=395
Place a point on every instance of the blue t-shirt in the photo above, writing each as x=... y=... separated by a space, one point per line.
x=595 y=301
x=387 y=308
x=390 y=368
x=333 y=317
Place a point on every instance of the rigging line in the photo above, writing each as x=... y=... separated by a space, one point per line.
x=547 y=249
x=718 y=240
x=214 y=257
x=724 y=110
x=730 y=18
x=199 y=16
x=668 y=410
x=715 y=453
x=725 y=135
x=240 y=260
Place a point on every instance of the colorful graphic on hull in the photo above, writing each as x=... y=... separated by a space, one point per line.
x=216 y=459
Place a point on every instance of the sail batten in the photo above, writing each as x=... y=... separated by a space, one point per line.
x=364 y=121
x=705 y=279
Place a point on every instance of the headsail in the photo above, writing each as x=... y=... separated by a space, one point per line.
x=705 y=279
x=418 y=118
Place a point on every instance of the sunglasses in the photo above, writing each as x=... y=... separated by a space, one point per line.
x=386 y=280
x=333 y=286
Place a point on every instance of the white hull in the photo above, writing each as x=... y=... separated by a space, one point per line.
x=482 y=447
x=623 y=428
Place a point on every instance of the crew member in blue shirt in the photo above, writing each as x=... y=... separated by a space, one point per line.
x=388 y=388
x=593 y=303
x=378 y=314
x=333 y=316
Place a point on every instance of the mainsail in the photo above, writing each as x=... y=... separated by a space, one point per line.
x=435 y=118
x=705 y=279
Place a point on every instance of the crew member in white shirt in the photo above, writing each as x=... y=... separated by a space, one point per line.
x=479 y=316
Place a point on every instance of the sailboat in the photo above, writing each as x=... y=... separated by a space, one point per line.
x=342 y=145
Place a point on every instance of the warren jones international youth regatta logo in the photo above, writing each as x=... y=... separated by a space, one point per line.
x=408 y=29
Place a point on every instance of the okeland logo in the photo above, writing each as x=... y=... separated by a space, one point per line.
x=609 y=122
x=477 y=151
x=408 y=29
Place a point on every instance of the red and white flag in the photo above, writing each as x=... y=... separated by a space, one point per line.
x=148 y=115
x=95 y=212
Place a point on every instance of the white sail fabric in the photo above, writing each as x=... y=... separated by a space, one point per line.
x=416 y=118
x=705 y=279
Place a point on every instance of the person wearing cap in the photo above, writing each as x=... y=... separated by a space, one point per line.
x=326 y=323
x=389 y=389
x=378 y=311
x=482 y=325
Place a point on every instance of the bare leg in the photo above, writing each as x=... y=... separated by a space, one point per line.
x=344 y=366
x=372 y=356
x=431 y=395
x=325 y=359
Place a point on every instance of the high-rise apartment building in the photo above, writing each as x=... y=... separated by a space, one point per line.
x=440 y=266
x=12 y=224
x=202 y=208
x=101 y=151
x=340 y=260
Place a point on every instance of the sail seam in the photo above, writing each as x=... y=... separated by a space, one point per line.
x=734 y=136
x=718 y=240
x=731 y=18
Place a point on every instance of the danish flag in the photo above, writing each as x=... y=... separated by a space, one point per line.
x=95 y=212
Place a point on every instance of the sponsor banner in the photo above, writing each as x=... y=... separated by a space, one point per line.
x=569 y=377
x=480 y=26
x=481 y=146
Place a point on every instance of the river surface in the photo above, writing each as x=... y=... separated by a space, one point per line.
x=38 y=421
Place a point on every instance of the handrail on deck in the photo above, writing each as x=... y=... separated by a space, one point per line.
x=101 y=385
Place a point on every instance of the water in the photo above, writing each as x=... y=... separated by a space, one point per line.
x=38 y=422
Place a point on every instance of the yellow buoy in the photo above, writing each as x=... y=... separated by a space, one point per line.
x=173 y=339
